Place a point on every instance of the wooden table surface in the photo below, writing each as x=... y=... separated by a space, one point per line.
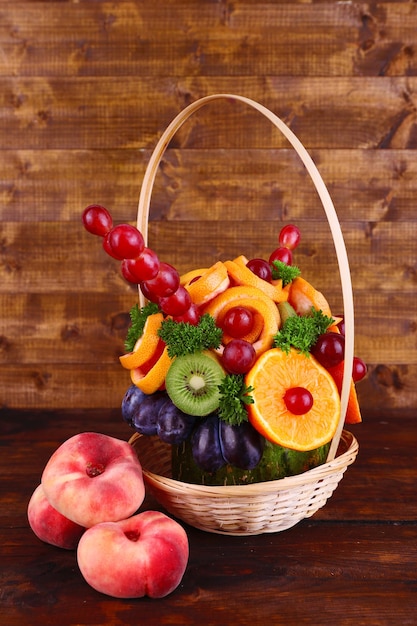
x=354 y=562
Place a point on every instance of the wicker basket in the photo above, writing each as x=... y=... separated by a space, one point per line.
x=264 y=507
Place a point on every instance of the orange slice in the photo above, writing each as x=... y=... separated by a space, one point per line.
x=212 y=282
x=253 y=335
x=146 y=345
x=153 y=379
x=232 y=295
x=241 y=260
x=353 y=412
x=272 y=375
x=192 y=275
x=255 y=300
x=302 y=296
x=242 y=275
x=267 y=311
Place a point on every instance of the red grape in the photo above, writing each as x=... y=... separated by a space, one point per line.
x=145 y=267
x=289 y=237
x=298 y=400
x=97 y=220
x=281 y=254
x=192 y=316
x=148 y=294
x=359 y=369
x=125 y=242
x=238 y=356
x=107 y=247
x=127 y=274
x=329 y=349
x=165 y=283
x=261 y=268
x=238 y=321
x=177 y=303
x=341 y=325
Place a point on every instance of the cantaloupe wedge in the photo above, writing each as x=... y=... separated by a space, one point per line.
x=302 y=296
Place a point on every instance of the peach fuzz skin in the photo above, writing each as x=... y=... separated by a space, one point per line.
x=145 y=555
x=49 y=525
x=92 y=478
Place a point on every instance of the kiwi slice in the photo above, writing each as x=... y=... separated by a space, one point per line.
x=192 y=383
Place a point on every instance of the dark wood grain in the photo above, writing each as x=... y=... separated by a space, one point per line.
x=208 y=183
x=74 y=113
x=196 y=37
x=353 y=562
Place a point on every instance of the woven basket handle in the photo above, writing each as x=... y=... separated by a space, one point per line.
x=343 y=263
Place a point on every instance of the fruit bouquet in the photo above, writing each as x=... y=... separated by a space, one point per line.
x=241 y=376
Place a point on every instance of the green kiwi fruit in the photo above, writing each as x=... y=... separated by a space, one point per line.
x=192 y=382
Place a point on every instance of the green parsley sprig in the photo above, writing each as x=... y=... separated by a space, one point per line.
x=302 y=332
x=234 y=395
x=287 y=273
x=138 y=317
x=185 y=338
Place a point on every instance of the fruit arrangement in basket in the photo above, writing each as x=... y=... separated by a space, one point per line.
x=237 y=366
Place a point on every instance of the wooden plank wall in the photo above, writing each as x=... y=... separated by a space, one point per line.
x=87 y=87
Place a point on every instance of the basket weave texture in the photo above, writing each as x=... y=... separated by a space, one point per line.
x=264 y=507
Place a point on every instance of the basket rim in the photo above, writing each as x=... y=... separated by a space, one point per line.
x=339 y=463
